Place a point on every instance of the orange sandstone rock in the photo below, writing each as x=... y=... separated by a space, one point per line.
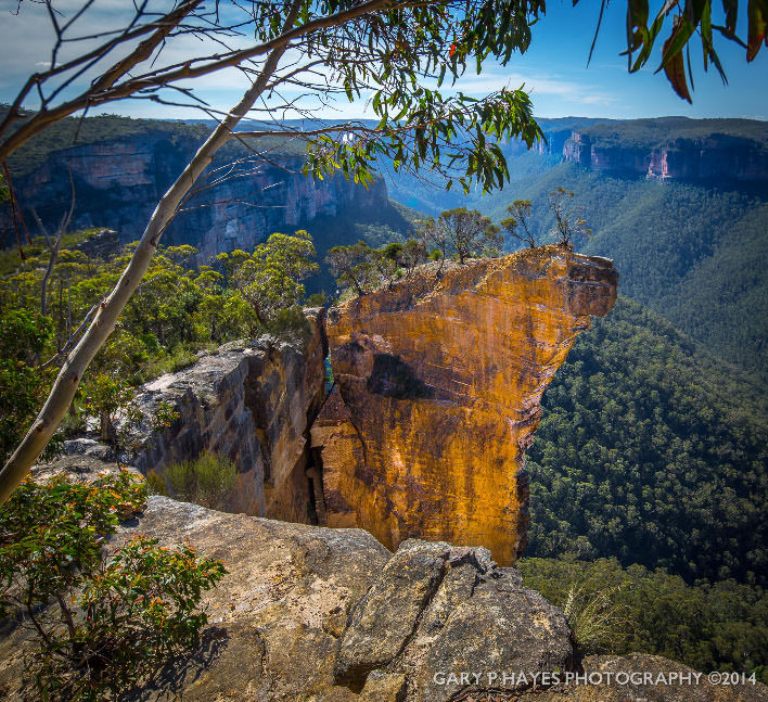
x=438 y=391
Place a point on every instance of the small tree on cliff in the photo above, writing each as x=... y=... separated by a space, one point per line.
x=363 y=268
x=569 y=223
x=518 y=224
x=465 y=233
x=386 y=49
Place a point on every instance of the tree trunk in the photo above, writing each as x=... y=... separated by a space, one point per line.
x=71 y=373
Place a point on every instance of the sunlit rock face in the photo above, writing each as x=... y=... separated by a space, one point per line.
x=439 y=381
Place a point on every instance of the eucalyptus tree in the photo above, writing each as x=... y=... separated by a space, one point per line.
x=463 y=233
x=518 y=224
x=403 y=56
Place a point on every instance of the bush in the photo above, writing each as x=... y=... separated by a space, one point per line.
x=105 y=625
x=105 y=395
x=721 y=626
x=596 y=619
x=24 y=335
x=209 y=480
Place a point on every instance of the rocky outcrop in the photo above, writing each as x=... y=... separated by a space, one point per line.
x=252 y=403
x=102 y=244
x=435 y=608
x=438 y=389
x=329 y=615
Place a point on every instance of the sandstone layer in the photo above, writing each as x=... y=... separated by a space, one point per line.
x=251 y=403
x=708 y=157
x=118 y=181
x=438 y=388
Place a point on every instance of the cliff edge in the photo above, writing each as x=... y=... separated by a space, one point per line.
x=439 y=380
x=329 y=615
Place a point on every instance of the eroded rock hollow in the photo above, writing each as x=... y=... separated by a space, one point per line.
x=438 y=383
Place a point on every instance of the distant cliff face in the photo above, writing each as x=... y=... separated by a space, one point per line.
x=118 y=183
x=707 y=158
x=438 y=395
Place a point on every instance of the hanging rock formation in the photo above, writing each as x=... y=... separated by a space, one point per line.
x=439 y=383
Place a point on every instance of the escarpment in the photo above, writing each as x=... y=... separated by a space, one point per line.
x=119 y=180
x=438 y=387
x=709 y=157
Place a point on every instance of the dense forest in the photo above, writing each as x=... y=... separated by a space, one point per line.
x=651 y=451
x=180 y=309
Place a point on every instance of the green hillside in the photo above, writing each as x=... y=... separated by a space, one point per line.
x=654 y=452
x=694 y=254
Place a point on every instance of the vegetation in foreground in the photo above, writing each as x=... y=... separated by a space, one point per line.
x=179 y=309
x=103 y=625
x=209 y=480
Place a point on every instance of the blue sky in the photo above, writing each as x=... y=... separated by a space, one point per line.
x=554 y=70
x=559 y=53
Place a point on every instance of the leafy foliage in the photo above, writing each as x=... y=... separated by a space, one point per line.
x=269 y=280
x=24 y=334
x=688 y=19
x=463 y=233
x=50 y=534
x=104 y=625
x=139 y=610
x=653 y=452
x=517 y=225
x=721 y=626
x=361 y=269
x=104 y=396
x=178 y=309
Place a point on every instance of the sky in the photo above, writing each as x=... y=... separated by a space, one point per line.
x=554 y=70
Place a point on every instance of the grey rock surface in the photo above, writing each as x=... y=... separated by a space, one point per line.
x=301 y=603
x=252 y=403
